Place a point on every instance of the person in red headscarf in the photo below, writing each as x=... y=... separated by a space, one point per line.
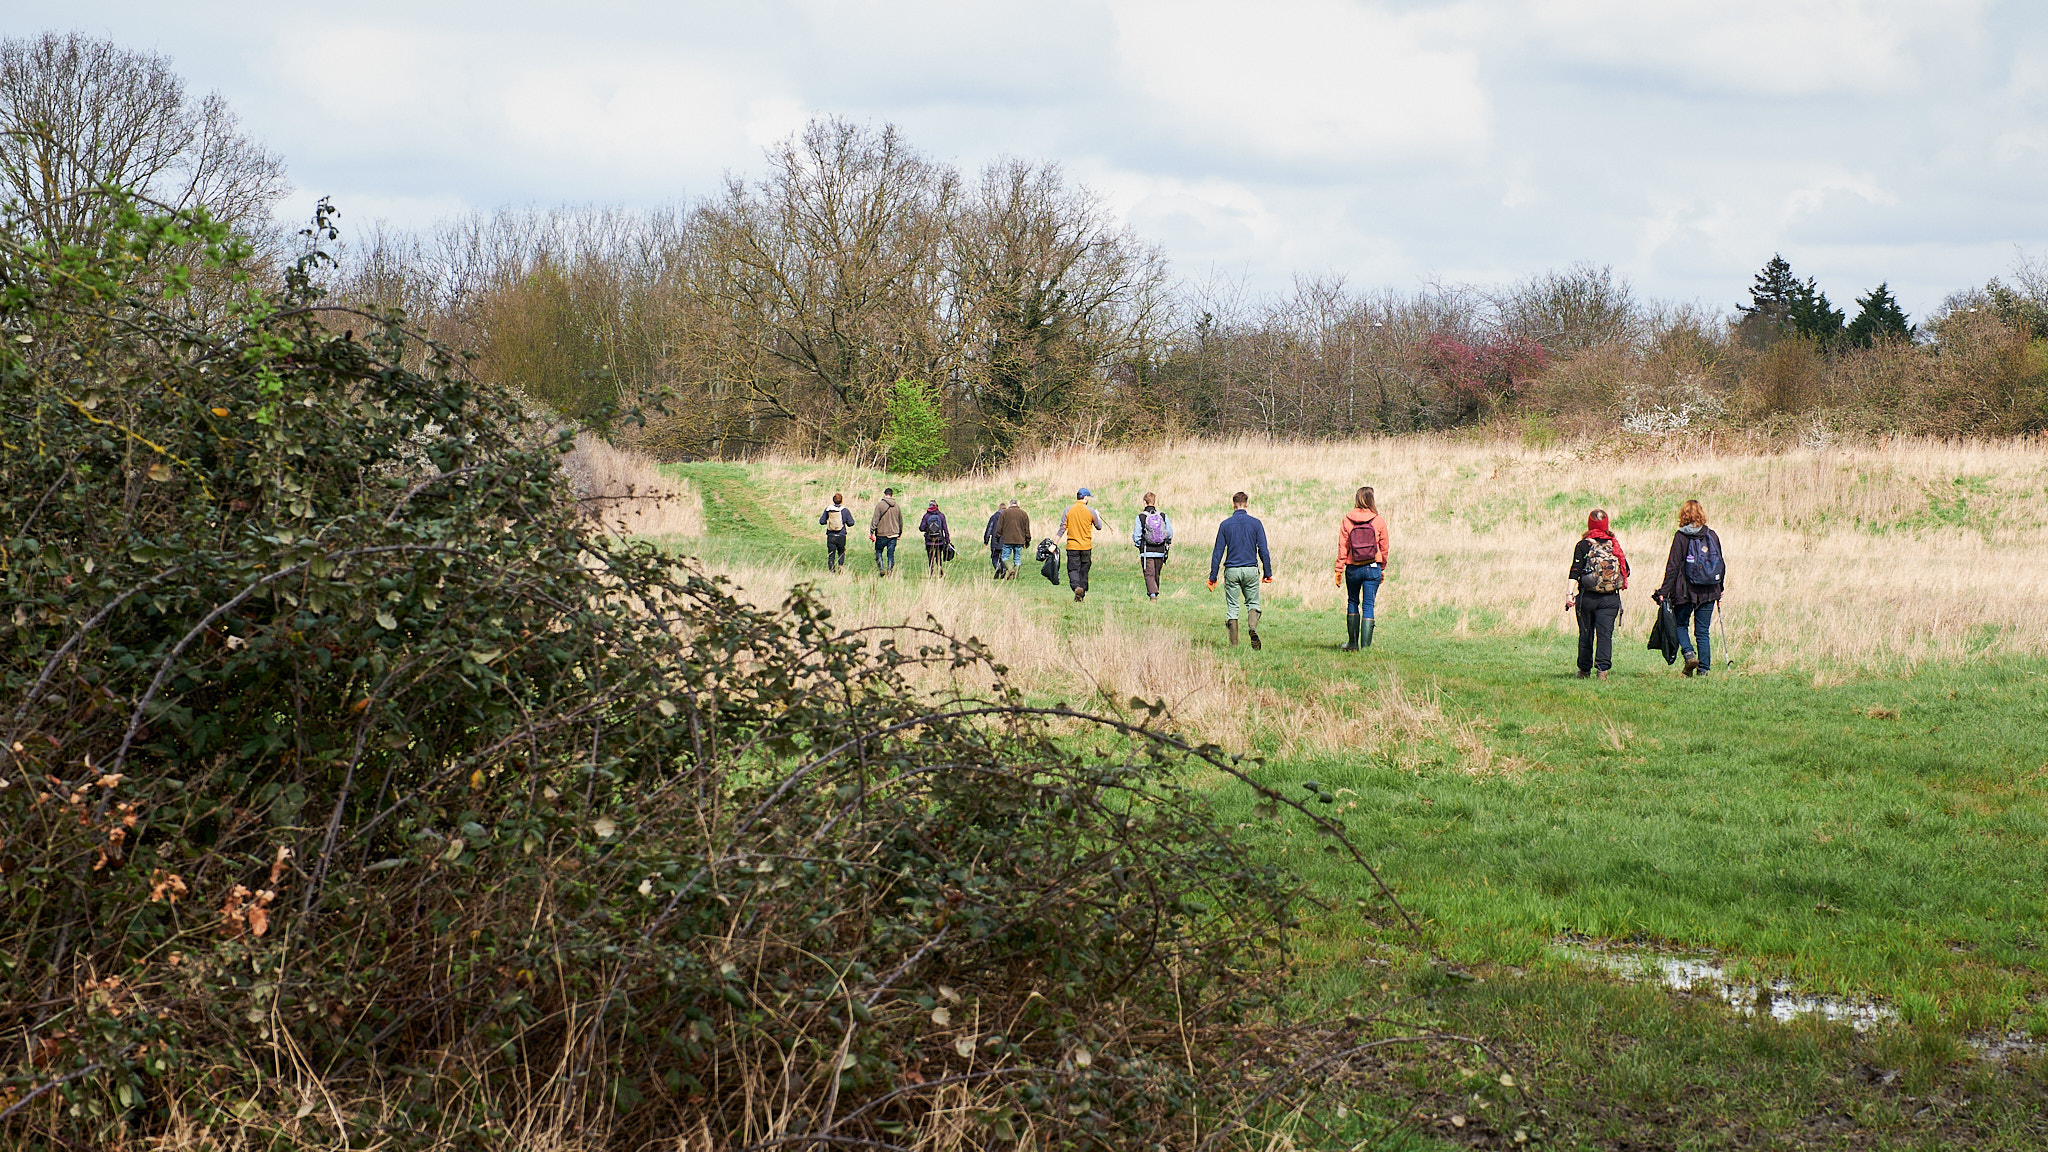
x=1598 y=574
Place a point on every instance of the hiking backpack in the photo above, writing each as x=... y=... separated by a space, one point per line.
x=1603 y=568
x=1155 y=528
x=1363 y=542
x=934 y=527
x=1703 y=563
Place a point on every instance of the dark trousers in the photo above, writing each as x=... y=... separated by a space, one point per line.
x=885 y=554
x=835 y=551
x=1152 y=565
x=1597 y=613
x=1079 y=560
x=934 y=558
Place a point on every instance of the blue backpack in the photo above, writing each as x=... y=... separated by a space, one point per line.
x=1703 y=563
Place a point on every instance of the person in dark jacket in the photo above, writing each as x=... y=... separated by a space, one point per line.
x=1240 y=552
x=838 y=520
x=937 y=538
x=1695 y=552
x=1013 y=532
x=990 y=537
x=1598 y=574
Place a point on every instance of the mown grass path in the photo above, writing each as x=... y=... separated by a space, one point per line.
x=1886 y=838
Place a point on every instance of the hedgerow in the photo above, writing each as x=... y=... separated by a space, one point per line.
x=357 y=790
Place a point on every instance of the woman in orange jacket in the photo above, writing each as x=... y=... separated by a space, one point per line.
x=1362 y=542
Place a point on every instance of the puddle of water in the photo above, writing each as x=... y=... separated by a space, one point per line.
x=1703 y=975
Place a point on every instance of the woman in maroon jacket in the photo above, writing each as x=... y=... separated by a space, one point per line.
x=1694 y=574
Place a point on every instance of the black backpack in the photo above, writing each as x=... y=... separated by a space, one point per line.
x=1703 y=563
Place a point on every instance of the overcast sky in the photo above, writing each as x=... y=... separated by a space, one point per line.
x=1388 y=142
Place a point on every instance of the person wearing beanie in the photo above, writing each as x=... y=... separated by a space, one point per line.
x=1362 y=543
x=1599 y=573
x=937 y=539
x=1078 y=529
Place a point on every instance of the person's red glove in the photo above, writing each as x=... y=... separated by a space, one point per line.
x=1267 y=580
x=1212 y=585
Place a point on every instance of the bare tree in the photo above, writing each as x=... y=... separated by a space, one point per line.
x=1572 y=310
x=79 y=116
x=829 y=273
x=1048 y=292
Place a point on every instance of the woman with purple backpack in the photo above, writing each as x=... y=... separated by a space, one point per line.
x=1362 y=542
x=1152 y=536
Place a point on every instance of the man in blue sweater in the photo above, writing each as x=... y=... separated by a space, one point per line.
x=1241 y=552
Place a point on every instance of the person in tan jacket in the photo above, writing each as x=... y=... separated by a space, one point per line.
x=1013 y=535
x=1362 y=543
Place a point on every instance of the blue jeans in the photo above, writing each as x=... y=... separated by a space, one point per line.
x=1361 y=588
x=885 y=545
x=1013 y=557
x=1702 y=617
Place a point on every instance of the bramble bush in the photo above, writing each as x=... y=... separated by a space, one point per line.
x=357 y=789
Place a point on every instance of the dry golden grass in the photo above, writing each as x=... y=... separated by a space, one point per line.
x=626 y=491
x=1841 y=560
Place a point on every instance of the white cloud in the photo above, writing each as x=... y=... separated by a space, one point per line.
x=1759 y=47
x=1318 y=81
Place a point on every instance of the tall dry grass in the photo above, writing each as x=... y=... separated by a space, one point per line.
x=626 y=491
x=1843 y=561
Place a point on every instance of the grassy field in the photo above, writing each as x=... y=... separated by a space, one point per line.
x=1857 y=803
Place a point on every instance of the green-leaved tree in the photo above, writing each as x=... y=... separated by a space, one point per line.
x=917 y=429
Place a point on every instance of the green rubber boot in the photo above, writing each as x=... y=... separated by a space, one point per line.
x=1351 y=633
x=1365 y=632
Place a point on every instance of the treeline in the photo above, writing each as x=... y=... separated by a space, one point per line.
x=858 y=289
x=783 y=312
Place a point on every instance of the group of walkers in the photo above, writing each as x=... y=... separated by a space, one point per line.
x=1694 y=568
x=1695 y=574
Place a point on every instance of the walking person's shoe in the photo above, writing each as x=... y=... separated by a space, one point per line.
x=1350 y=633
x=1078 y=593
x=1692 y=665
x=1253 y=625
x=1365 y=633
x=1603 y=674
x=1230 y=626
x=1584 y=674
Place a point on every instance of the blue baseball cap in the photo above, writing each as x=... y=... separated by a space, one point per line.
x=1083 y=494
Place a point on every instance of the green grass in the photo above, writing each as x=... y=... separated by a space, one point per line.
x=1884 y=838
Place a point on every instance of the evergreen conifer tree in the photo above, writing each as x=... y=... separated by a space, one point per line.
x=1881 y=318
x=1813 y=316
x=1772 y=293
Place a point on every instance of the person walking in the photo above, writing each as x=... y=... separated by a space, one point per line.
x=1241 y=552
x=838 y=521
x=1078 y=529
x=1152 y=536
x=1598 y=574
x=885 y=527
x=1013 y=534
x=1694 y=574
x=937 y=539
x=1362 y=543
x=994 y=542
